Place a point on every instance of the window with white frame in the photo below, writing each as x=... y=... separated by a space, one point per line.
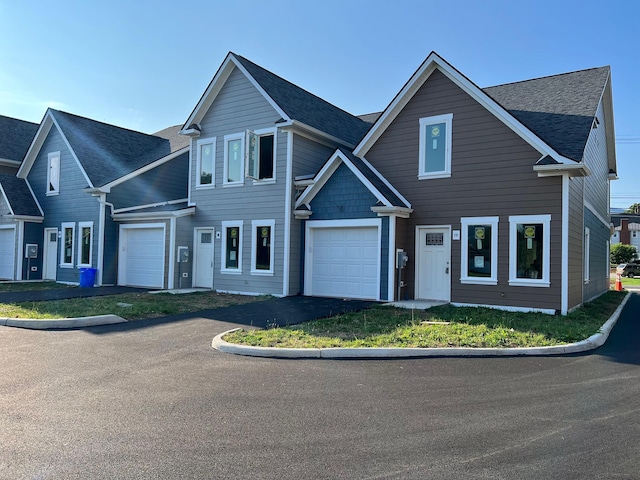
x=262 y=246
x=234 y=159
x=85 y=241
x=205 y=154
x=587 y=254
x=529 y=245
x=261 y=154
x=66 y=246
x=479 y=253
x=435 y=146
x=232 y=247
x=53 y=174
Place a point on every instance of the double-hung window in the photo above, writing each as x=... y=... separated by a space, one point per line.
x=66 y=246
x=479 y=253
x=261 y=147
x=232 y=247
x=262 y=247
x=206 y=154
x=234 y=159
x=85 y=249
x=435 y=147
x=53 y=174
x=529 y=245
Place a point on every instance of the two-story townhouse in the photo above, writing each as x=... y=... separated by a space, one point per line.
x=501 y=194
x=83 y=173
x=18 y=210
x=252 y=135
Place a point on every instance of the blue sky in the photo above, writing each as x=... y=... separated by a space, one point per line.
x=144 y=64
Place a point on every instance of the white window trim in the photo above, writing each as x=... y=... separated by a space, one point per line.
x=82 y=225
x=587 y=255
x=199 y=143
x=263 y=133
x=225 y=226
x=514 y=220
x=464 y=250
x=64 y=226
x=227 y=139
x=56 y=190
x=254 y=245
x=448 y=120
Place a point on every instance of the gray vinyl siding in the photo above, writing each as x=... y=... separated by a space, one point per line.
x=168 y=181
x=70 y=205
x=576 y=234
x=492 y=175
x=596 y=191
x=33 y=233
x=184 y=238
x=598 y=259
x=345 y=197
x=238 y=107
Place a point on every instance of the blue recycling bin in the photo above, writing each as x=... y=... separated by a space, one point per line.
x=87 y=277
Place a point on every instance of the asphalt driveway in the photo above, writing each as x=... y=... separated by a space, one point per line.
x=159 y=402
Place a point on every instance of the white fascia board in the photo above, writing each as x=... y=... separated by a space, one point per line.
x=572 y=169
x=592 y=209
x=153 y=215
x=150 y=205
x=36 y=144
x=5 y=162
x=27 y=218
x=386 y=182
x=73 y=154
x=107 y=187
x=425 y=70
x=6 y=200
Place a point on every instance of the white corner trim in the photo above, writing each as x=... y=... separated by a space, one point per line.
x=287 y=214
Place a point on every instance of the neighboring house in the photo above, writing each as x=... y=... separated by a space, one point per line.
x=626 y=229
x=18 y=210
x=252 y=134
x=499 y=196
x=108 y=199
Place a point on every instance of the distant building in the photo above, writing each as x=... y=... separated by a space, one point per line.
x=626 y=229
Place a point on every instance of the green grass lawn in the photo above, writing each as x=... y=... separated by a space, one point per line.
x=131 y=306
x=445 y=326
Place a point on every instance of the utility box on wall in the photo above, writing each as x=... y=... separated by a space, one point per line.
x=31 y=250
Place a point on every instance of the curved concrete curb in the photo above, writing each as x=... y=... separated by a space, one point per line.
x=590 y=343
x=59 y=323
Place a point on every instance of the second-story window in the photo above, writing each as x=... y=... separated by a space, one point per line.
x=435 y=147
x=53 y=174
x=234 y=159
x=261 y=155
x=206 y=151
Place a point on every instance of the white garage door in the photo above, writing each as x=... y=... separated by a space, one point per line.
x=7 y=250
x=141 y=262
x=344 y=262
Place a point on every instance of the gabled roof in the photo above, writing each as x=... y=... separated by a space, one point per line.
x=18 y=196
x=560 y=109
x=15 y=138
x=526 y=117
x=292 y=103
x=104 y=152
x=385 y=193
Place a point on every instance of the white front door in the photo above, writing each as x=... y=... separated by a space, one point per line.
x=7 y=252
x=50 y=259
x=433 y=268
x=203 y=262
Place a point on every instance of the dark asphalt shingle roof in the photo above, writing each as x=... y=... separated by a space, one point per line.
x=19 y=196
x=559 y=109
x=107 y=152
x=15 y=137
x=374 y=179
x=307 y=108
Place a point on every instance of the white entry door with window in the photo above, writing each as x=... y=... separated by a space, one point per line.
x=433 y=266
x=203 y=261
x=7 y=252
x=50 y=259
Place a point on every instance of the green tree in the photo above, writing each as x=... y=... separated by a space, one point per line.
x=635 y=208
x=622 y=253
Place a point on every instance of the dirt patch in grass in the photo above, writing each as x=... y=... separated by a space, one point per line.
x=131 y=306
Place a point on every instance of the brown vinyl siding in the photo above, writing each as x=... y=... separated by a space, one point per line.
x=491 y=175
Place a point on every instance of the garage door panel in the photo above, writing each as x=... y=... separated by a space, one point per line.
x=345 y=262
x=144 y=257
x=7 y=253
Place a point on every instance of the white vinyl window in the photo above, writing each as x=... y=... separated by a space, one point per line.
x=262 y=246
x=231 y=247
x=587 y=254
x=529 y=245
x=435 y=147
x=479 y=253
x=85 y=244
x=53 y=174
x=205 y=155
x=261 y=154
x=234 y=159
x=66 y=245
